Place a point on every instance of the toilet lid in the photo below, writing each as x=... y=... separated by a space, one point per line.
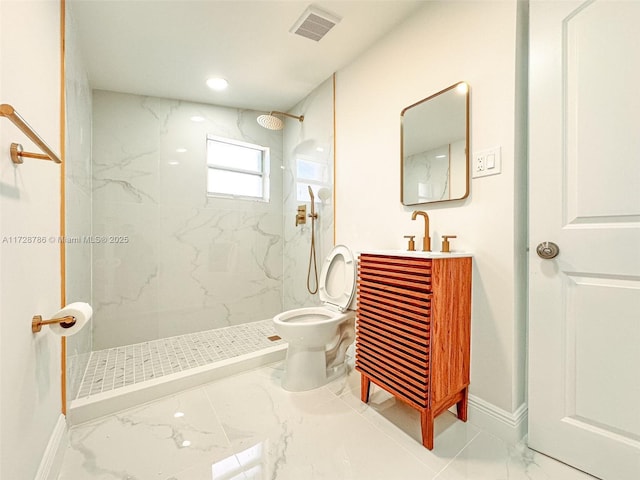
x=338 y=278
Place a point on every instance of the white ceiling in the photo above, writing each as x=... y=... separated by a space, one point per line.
x=168 y=48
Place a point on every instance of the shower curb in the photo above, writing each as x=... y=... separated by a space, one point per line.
x=95 y=406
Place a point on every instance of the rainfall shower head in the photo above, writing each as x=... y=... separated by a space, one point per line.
x=272 y=122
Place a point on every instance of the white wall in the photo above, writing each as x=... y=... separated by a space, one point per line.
x=442 y=44
x=30 y=205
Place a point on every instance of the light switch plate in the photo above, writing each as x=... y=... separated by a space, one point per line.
x=486 y=162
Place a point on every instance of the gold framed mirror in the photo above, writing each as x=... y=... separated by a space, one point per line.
x=434 y=147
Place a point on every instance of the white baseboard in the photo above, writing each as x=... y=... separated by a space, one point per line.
x=51 y=462
x=511 y=427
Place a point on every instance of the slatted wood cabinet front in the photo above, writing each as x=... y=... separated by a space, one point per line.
x=413 y=332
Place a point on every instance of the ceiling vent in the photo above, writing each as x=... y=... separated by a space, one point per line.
x=314 y=23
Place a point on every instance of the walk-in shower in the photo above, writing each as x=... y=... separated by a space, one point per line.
x=192 y=269
x=186 y=262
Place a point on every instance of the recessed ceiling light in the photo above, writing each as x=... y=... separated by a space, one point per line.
x=216 y=83
x=181 y=150
x=197 y=118
x=173 y=162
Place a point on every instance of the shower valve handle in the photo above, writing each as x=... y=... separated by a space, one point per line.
x=301 y=216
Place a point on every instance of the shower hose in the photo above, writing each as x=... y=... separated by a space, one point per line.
x=312 y=258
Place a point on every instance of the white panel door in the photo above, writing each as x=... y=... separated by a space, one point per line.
x=584 y=317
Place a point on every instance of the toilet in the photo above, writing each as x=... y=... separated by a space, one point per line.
x=318 y=337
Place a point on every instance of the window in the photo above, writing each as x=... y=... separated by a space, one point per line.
x=310 y=172
x=237 y=169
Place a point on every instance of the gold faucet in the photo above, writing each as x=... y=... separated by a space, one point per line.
x=426 y=242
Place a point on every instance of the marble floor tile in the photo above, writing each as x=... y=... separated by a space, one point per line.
x=402 y=423
x=246 y=427
x=147 y=442
x=488 y=457
x=307 y=435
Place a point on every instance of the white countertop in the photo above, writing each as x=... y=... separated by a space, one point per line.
x=418 y=254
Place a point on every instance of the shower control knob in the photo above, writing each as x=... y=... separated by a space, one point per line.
x=547 y=250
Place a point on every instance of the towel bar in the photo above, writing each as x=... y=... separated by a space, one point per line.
x=17 y=153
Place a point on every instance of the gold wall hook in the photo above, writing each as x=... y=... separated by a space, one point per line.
x=65 y=322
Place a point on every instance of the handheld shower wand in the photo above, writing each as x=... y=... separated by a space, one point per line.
x=313 y=213
x=312 y=252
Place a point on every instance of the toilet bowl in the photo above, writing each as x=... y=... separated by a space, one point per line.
x=318 y=337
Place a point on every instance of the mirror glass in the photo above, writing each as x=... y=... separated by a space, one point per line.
x=434 y=152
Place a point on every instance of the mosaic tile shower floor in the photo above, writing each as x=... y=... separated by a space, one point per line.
x=117 y=367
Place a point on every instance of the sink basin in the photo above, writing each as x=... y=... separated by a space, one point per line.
x=418 y=254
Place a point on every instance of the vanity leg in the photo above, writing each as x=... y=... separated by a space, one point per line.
x=365 y=385
x=461 y=406
x=426 y=422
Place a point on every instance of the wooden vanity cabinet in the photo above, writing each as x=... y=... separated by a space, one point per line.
x=413 y=332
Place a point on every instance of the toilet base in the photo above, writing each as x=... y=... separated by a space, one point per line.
x=306 y=368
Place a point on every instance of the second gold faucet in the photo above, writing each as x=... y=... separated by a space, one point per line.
x=426 y=242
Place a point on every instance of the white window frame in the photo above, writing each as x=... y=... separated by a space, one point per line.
x=263 y=174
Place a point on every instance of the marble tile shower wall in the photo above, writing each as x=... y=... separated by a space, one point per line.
x=179 y=262
x=311 y=140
